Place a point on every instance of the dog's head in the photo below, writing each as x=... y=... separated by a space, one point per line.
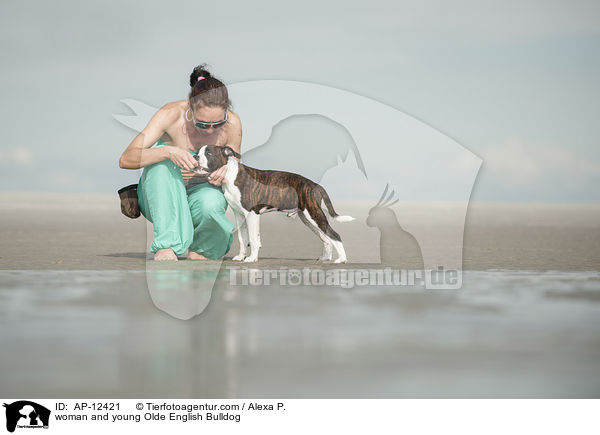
x=212 y=157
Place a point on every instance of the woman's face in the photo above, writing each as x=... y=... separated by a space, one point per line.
x=204 y=116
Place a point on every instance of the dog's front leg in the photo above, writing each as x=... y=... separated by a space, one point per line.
x=253 y=223
x=242 y=227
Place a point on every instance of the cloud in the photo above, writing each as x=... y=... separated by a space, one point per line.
x=20 y=156
x=66 y=181
x=518 y=164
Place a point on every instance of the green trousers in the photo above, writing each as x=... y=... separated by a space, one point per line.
x=183 y=219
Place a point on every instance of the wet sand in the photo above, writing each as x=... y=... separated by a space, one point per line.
x=97 y=334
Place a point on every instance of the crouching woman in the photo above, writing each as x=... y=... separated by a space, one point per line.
x=187 y=212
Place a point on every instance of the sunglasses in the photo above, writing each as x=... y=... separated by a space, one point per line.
x=207 y=125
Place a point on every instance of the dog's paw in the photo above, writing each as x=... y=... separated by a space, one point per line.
x=341 y=260
x=250 y=259
x=239 y=257
x=321 y=258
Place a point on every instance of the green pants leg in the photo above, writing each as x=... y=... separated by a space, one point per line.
x=163 y=201
x=213 y=232
x=193 y=219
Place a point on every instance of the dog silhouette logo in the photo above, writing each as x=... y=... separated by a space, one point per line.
x=26 y=414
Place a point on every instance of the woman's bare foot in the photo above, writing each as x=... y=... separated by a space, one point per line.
x=166 y=254
x=195 y=256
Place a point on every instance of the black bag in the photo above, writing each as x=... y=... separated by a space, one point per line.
x=130 y=206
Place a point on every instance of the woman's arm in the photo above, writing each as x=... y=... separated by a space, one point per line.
x=139 y=154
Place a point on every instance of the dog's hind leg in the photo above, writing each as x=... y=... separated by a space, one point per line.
x=327 y=252
x=242 y=228
x=253 y=223
x=318 y=222
x=327 y=246
x=316 y=215
x=339 y=247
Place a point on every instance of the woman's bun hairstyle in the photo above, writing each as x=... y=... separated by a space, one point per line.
x=199 y=71
x=207 y=90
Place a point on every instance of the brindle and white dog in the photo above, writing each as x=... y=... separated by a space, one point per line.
x=251 y=192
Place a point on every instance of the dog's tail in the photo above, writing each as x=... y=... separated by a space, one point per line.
x=336 y=217
x=342 y=218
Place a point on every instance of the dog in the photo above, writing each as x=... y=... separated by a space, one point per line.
x=251 y=192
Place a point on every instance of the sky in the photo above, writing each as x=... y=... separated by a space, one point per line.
x=514 y=82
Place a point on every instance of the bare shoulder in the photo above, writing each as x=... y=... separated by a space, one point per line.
x=234 y=120
x=172 y=111
x=163 y=119
x=234 y=131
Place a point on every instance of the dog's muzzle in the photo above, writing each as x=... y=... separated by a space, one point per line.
x=200 y=170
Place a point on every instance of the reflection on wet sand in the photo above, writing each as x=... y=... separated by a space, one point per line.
x=182 y=294
x=98 y=334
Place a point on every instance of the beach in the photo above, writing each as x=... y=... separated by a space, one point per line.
x=87 y=232
x=82 y=313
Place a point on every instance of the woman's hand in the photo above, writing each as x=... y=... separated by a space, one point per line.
x=217 y=177
x=182 y=158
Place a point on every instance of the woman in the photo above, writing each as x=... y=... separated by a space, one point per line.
x=187 y=214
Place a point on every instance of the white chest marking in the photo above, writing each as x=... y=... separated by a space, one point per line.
x=230 y=190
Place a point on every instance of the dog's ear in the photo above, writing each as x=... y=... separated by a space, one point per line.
x=228 y=152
